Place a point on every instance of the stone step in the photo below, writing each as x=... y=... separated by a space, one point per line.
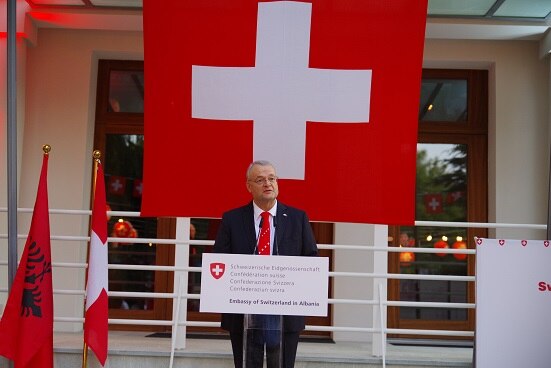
x=135 y=350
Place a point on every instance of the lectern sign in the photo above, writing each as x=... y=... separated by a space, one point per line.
x=249 y=284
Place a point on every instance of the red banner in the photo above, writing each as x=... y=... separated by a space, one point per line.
x=27 y=325
x=328 y=91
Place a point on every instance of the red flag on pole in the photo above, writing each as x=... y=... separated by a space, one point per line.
x=323 y=89
x=26 y=328
x=96 y=315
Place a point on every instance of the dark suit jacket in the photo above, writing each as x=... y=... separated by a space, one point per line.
x=293 y=237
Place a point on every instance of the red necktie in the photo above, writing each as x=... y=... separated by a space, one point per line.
x=264 y=236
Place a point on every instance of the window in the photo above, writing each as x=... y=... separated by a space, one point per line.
x=451 y=185
x=119 y=137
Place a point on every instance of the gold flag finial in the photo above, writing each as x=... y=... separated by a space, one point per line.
x=46 y=148
x=96 y=155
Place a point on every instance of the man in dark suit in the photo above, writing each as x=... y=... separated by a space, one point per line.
x=291 y=235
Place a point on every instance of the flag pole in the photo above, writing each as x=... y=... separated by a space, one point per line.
x=11 y=139
x=96 y=156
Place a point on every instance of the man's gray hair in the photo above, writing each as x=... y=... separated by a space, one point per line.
x=259 y=163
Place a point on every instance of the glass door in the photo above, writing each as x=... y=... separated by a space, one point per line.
x=451 y=186
x=441 y=194
x=123 y=180
x=119 y=136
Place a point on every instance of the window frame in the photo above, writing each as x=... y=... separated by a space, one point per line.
x=473 y=133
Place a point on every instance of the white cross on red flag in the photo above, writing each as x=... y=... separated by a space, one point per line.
x=96 y=311
x=327 y=91
x=433 y=203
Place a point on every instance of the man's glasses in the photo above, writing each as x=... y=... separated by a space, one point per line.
x=268 y=180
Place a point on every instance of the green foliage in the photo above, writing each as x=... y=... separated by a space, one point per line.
x=442 y=176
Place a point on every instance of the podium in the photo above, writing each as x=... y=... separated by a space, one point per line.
x=262 y=289
x=262 y=333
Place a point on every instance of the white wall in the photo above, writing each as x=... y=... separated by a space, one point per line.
x=60 y=101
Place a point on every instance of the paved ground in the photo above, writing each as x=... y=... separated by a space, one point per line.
x=331 y=354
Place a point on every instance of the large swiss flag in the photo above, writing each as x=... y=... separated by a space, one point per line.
x=327 y=90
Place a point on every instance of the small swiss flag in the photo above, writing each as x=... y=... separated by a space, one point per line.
x=453 y=197
x=433 y=203
x=137 y=189
x=116 y=185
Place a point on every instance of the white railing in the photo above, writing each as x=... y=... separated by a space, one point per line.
x=376 y=301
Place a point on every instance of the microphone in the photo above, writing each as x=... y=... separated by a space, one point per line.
x=255 y=250
x=276 y=249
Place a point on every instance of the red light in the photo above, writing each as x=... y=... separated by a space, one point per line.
x=443 y=245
